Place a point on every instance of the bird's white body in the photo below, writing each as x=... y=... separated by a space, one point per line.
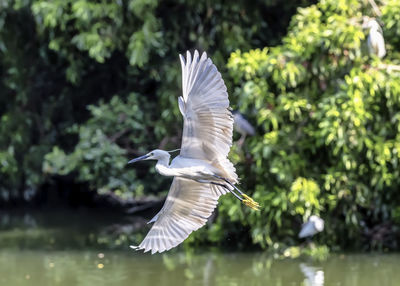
x=188 y=168
x=376 y=42
x=202 y=171
x=314 y=225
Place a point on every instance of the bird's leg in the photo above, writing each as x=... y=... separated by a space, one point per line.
x=246 y=199
x=232 y=185
x=226 y=187
x=241 y=140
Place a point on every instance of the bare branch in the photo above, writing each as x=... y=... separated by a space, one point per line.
x=375 y=7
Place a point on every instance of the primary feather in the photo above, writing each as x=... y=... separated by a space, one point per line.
x=186 y=209
x=208 y=122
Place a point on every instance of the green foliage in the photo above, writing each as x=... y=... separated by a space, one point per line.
x=58 y=57
x=319 y=253
x=99 y=28
x=391 y=18
x=327 y=116
x=98 y=157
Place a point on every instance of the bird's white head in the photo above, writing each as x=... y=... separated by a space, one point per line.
x=156 y=154
x=371 y=24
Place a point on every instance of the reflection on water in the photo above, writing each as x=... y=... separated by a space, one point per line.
x=131 y=268
x=59 y=230
x=313 y=276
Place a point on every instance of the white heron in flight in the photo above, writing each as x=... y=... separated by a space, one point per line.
x=202 y=172
x=314 y=225
x=242 y=126
x=375 y=42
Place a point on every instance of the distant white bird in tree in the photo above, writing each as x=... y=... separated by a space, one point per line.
x=202 y=172
x=314 y=225
x=375 y=42
x=242 y=126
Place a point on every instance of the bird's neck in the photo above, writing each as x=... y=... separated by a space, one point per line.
x=162 y=166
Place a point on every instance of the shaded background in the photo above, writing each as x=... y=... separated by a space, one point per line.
x=87 y=85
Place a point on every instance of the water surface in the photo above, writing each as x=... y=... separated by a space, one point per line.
x=130 y=268
x=67 y=249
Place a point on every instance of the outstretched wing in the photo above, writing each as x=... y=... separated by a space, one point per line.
x=208 y=122
x=187 y=208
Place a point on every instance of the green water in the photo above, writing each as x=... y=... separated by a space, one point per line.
x=128 y=268
x=74 y=249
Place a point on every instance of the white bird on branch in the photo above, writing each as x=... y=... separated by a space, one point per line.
x=202 y=172
x=375 y=42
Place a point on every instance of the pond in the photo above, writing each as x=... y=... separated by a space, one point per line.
x=130 y=268
x=65 y=256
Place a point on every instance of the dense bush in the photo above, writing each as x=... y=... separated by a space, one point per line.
x=328 y=130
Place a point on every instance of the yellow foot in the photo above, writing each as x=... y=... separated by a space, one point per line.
x=250 y=202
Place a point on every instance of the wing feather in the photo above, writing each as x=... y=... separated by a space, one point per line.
x=208 y=121
x=188 y=206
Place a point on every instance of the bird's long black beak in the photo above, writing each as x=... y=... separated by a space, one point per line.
x=144 y=157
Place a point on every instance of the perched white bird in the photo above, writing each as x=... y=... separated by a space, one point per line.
x=376 y=42
x=202 y=171
x=242 y=126
x=314 y=225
